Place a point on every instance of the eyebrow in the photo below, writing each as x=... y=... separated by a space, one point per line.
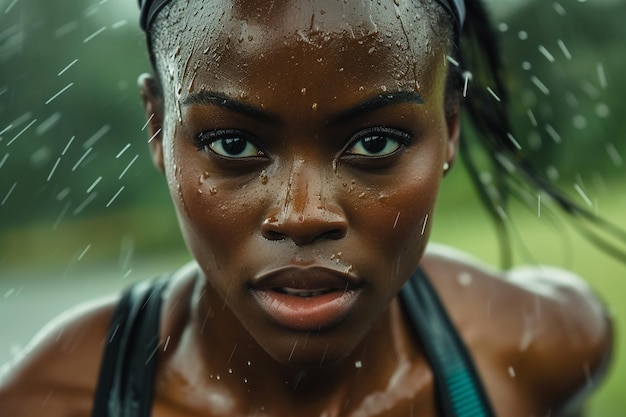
x=221 y=100
x=207 y=98
x=376 y=103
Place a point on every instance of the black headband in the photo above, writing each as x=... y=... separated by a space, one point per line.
x=150 y=8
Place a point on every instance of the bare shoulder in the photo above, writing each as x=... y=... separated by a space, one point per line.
x=540 y=328
x=56 y=373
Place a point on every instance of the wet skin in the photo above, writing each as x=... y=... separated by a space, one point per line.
x=304 y=152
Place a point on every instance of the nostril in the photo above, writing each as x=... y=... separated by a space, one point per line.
x=270 y=229
x=272 y=235
x=304 y=227
x=335 y=234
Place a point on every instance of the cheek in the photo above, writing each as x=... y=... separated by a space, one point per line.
x=395 y=215
x=216 y=214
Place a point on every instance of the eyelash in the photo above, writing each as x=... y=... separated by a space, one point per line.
x=401 y=137
x=206 y=141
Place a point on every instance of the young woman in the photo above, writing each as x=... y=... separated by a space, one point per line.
x=304 y=144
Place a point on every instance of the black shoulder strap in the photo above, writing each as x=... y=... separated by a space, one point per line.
x=458 y=387
x=126 y=382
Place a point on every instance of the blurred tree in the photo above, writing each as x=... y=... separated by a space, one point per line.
x=566 y=63
x=70 y=116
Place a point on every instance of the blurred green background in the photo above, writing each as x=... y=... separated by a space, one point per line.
x=83 y=213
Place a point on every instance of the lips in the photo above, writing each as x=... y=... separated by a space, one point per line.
x=306 y=299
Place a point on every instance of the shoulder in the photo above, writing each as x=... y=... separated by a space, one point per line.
x=57 y=371
x=540 y=326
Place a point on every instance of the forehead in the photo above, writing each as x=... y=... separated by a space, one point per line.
x=247 y=47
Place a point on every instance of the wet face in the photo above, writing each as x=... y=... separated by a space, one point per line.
x=303 y=147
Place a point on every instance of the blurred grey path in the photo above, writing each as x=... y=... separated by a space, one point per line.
x=31 y=297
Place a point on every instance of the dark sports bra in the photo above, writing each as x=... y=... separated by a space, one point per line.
x=126 y=382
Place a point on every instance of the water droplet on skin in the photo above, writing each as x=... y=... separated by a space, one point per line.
x=263 y=177
x=192 y=82
x=248 y=363
x=230 y=371
x=362 y=195
x=371 y=50
x=314 y=107
x=358 y=364
x=303 y=91
x=511 y=372
x=465 y=279
x=213 y=191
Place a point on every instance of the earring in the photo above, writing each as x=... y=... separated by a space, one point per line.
x=446 y=167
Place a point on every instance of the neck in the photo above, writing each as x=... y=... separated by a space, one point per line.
x=217 y=351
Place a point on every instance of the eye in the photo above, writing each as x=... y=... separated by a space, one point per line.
x=377 y=142
x=229 y=143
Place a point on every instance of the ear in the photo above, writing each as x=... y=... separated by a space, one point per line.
x=152 y=99
x=453 y=122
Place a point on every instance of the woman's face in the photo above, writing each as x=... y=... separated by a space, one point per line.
x=303 y=147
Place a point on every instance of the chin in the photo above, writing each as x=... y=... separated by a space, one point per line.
x=309 y=350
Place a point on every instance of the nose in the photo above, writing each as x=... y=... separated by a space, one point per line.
x=305 y=211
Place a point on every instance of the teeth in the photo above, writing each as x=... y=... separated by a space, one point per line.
x=304 y=293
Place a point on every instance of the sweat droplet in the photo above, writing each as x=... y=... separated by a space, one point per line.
x=263 y=176
x=465 y=279
x=314 y=107
x=213 y=191
x=511 y=372
x=358 y=364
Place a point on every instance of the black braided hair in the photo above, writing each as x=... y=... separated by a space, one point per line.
x=512 y=175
